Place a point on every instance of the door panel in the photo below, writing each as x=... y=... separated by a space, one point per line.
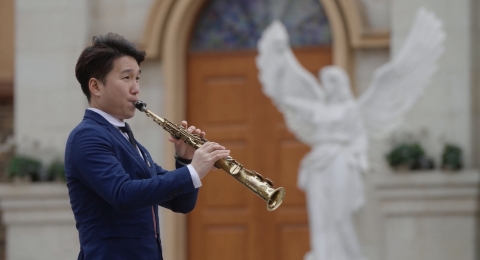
x=293 y=248
x=226 y=101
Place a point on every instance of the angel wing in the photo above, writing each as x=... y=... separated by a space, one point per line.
x=294 y=90
x=399 y=83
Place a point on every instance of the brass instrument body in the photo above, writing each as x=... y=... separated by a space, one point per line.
x=261 y=186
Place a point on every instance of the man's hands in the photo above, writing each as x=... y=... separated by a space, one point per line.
x=206 y=156
x=203 y=158
x=181 y=148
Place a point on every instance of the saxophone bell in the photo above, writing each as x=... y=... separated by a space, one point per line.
x=275 y=199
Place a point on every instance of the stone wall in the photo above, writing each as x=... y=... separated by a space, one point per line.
x=445 y=111
x=38 y=215
x=428 y=215
x=50 y=35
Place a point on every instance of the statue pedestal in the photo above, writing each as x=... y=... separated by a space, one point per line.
x=428 y=215
x=39 y=222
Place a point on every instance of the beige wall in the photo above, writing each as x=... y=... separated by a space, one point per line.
x=50 y=36
x=475 y=10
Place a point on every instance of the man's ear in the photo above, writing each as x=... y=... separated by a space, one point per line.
x=94 y=87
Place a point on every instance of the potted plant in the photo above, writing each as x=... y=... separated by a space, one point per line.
x=409 y=157
x=452 y=158
x=24 y=169
x=56 y=171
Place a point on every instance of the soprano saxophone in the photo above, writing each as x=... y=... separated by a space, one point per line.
x=261 y=186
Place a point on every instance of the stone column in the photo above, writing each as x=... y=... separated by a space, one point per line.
x=39 y=222
x=50 y=36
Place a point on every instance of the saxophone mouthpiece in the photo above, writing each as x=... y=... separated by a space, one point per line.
x=140 y=105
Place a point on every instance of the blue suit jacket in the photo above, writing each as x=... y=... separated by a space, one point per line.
x=112 y=191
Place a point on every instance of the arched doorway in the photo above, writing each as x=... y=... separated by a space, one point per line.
x=225 y=99
x=166 y=37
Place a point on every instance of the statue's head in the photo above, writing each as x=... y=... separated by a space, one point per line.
x=336 y=83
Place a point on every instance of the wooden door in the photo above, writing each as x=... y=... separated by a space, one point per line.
x=231 y=222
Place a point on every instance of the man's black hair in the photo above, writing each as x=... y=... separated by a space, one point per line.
x=96 y=61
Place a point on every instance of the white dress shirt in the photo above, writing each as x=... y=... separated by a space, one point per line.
x=118 y=123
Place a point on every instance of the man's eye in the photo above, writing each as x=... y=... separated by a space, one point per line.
x=138 y=78
x=127 y=77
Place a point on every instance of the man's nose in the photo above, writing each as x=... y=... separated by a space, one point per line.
x=135 y=88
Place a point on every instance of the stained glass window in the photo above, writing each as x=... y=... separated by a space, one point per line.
x=238 y=24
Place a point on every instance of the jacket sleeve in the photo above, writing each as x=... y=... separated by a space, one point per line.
x=95 y=162
x=183 y=203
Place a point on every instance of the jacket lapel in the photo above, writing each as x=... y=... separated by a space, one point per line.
x=121 y=138
x=129 y=147
x=144 y=152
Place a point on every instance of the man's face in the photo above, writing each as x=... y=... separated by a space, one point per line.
x=121 y=88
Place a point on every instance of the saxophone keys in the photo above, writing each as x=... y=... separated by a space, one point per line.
x=249 y=173
x=259 y=176
x=269 y=182
x=235 y=169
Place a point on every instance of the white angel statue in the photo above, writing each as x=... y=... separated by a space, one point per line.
x=336 y=125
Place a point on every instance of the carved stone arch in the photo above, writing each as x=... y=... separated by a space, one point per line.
x=346 y=17
x=166 y=36
x=167 y=33
x=162 y=10
x=360 y=34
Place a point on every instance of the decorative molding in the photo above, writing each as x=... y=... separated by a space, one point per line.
x=428 y=193
x=155 y=26
x=40 y=215
x=341 y=53
x=174 y=52
x=341 y=13
x=422 y=210
x=360 y=35
x=35 y=204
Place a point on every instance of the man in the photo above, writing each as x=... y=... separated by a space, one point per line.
x=113 y=183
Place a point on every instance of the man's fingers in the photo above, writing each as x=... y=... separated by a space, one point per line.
x=219 y=154
x=214 y=148
x=191 y=129
x=208 y=145
x=173 y=139
x=205 y=157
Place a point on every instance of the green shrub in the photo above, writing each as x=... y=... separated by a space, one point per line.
x=56 y=171
x=452 y=157
x=409 y=157
x=21 y=166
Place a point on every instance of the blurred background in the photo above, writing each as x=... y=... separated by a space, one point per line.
x=201 y=67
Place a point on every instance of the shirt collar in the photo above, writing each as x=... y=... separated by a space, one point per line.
x=112 y=120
